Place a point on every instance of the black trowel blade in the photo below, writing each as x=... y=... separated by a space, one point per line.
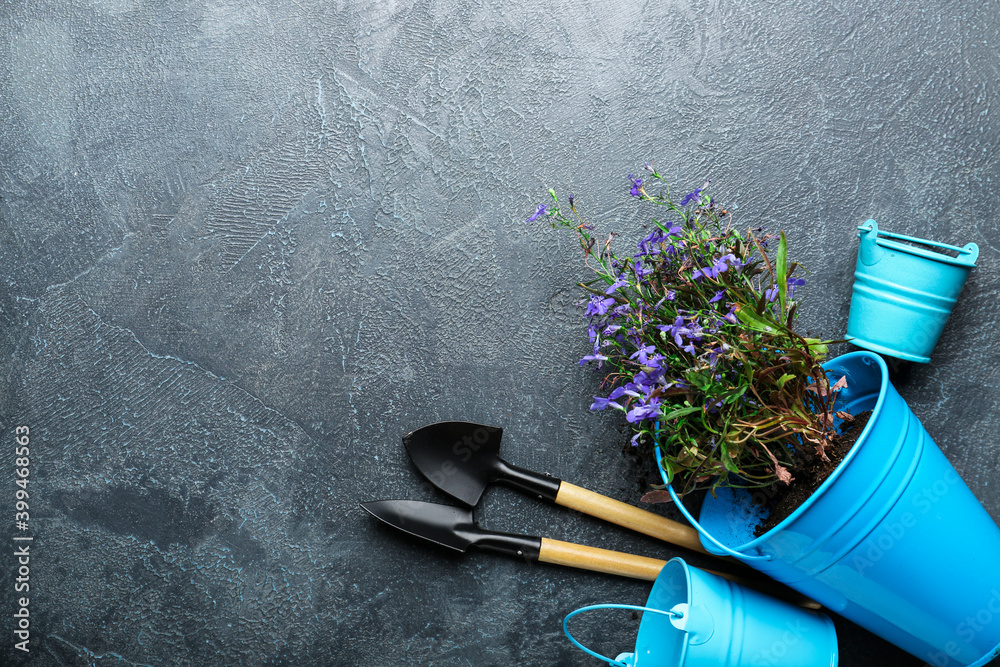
x=460 y=458
x=451 y=527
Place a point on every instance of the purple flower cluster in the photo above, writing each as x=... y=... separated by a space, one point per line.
x=682 y=324
x=643 y=404
x=654 y=348
x=623 y=328
x=719 y=266
x=657 y=241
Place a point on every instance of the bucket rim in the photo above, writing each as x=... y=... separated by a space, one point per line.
x=650 y=607
x=688 y=571
x=882 y=349
x=686 y=568
x=839 y=470
x=967 y=255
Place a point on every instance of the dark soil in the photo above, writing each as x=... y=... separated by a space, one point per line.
x=786 y=499
x=643 y=458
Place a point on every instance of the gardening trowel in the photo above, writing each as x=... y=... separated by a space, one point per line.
x=462 y=458
x=455 y=528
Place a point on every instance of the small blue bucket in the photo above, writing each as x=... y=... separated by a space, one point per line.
x=696 y=619
x=893 y=540
x=903 y=294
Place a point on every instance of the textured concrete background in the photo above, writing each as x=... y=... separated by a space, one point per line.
x=248 y=245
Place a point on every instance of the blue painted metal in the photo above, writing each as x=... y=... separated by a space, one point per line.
x=903 y=294
x=623 y=659
x=893 y=540
x=702 y=620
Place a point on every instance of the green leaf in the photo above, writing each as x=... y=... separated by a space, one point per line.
x=754 y=321
x=781 y=267
x=727 y=462
x=733 y=396
x=668 y=468
x=680 y=412
x=817 y=347
x=784 y=379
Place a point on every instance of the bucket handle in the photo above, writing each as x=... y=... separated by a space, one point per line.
x=701 y=531
x=967 y=255
x=671 y=614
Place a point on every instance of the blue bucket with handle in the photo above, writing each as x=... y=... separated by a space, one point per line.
x=893 y=540
x=694 y=618
x=904 y=293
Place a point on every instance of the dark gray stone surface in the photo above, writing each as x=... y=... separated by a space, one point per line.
x=247 y=245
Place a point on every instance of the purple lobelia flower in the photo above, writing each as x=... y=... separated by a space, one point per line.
x=689 y=197
x=650 y=377
x=720 y=265
x=675 y=330
x=643 y=411
x=641 y=272
x=534 y=216
x=621 y=281
x=642 y=354
x=693 y=196
x=650 y=245
x=598 y=305
x=624 y=310
x=694 y=330
x=705 y=272
x=647 y=245
x=725 y=262
x=599 y=358
x=654 y=364
x=636 y=185
x=601 y=403
x=792 y=284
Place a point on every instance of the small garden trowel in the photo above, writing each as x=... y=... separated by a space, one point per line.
x=462 y=458
x=456 y=529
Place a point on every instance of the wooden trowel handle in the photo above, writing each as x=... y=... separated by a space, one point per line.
x=599 y=560
x=623 y=514
x=641 y=567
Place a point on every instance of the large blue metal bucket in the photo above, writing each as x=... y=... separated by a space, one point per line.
x=903 y=294
x=697 y=619
x=893 y=540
